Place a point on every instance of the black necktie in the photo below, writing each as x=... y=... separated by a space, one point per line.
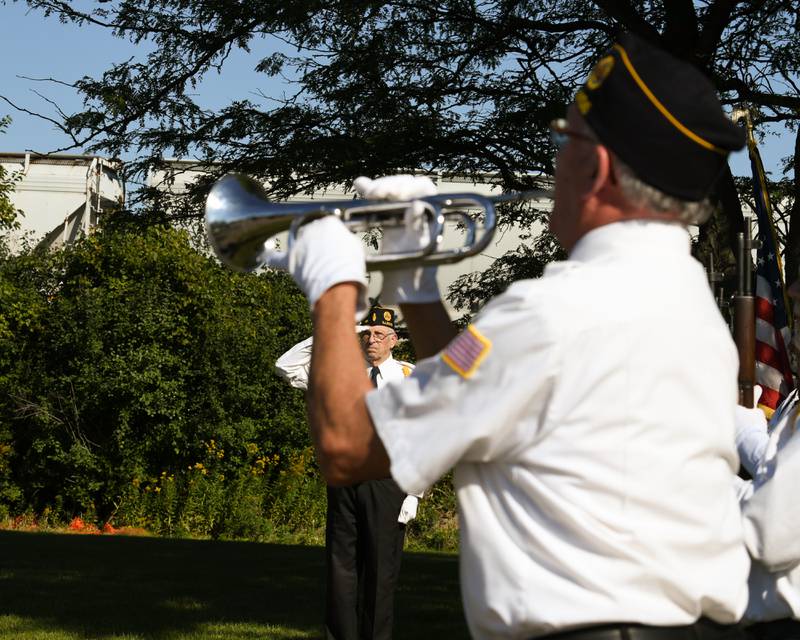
x=373 y=375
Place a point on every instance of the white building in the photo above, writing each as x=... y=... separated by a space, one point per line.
x=61 y=196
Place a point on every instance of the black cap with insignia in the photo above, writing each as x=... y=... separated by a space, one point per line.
x=661 y=116
x=379 y=316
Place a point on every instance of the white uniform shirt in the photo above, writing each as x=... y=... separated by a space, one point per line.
x=771 y=513
x=593 y=443
x=295 y=365
x=391 y=369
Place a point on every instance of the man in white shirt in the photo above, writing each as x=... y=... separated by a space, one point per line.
x=771 y=510
x=593 y=456
x=365 y=521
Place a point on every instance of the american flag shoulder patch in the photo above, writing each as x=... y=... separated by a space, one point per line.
x=466 y=351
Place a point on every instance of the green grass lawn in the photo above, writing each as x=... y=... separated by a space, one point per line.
x=70 y=587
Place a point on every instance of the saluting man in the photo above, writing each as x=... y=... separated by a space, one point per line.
x=593 y=457
x=365 y=521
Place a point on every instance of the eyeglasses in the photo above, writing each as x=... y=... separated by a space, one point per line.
x=377 y=337
x=560 y=134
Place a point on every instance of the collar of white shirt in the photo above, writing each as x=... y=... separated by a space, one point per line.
x=632 y=236
x=381 y=366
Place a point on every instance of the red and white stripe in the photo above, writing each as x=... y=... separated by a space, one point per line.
x=773 y=371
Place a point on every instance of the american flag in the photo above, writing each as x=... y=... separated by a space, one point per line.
x=773 y=370
x=466 y=351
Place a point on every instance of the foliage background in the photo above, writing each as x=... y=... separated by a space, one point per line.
x=372 y=88
x=9 y=214
x=137 y=386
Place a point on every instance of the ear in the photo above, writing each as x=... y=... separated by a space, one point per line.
x=604 y=171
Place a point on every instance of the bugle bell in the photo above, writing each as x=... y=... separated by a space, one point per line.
x=240 y=220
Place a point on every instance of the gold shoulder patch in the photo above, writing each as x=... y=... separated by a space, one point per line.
x=466 y=351
x=406 y=371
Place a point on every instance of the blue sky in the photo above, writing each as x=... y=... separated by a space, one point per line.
x=38 y=47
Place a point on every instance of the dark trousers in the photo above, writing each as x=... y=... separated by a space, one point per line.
x=786 y=629
x=363 y=549
x=703 y=629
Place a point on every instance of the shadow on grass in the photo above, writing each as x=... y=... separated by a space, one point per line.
x=102 y=586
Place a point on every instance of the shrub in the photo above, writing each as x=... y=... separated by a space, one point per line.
x=123 y=356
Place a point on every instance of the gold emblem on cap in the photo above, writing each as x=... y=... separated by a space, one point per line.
x=374 y=316
x=582 y=102
x=600 y=73
x=387 y=315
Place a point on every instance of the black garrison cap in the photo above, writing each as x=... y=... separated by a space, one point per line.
x=661 y=116
x=380 y=317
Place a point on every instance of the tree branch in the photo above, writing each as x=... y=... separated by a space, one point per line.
x=625 y=13
x=745 y=93
x=713 y=24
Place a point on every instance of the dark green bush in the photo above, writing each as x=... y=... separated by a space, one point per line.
x=124 y=355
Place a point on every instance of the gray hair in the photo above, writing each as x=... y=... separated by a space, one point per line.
x=643 y=195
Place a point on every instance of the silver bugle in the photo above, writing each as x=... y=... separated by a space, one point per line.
x=240 y=219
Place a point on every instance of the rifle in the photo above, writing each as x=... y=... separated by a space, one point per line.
x=744 y=317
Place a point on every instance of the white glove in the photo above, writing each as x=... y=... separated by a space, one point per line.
x=751 y=434
x=408 y=510
x=413 y=285
x=395 y=188
x=325 y=254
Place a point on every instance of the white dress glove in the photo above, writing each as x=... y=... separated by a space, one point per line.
x=751 y=434
x=409 y=285
x=408 y=510
x=325 y=254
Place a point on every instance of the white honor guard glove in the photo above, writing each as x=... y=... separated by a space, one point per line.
x=409 y=285
x=408 y=510
x=325 y=254
x=751 y=434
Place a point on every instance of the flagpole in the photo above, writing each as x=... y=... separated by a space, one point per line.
x=743 y=113
x=773 y=371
